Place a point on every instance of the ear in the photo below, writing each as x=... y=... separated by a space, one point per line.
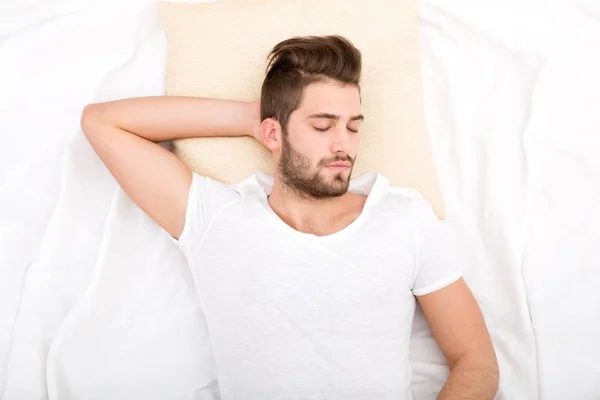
x=270 y=130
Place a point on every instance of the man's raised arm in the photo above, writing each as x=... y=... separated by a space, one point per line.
x=124 y=134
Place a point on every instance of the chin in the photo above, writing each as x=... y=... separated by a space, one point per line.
x=340 y=182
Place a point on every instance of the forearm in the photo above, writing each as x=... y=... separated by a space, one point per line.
x=164 y=118
x=471 y=379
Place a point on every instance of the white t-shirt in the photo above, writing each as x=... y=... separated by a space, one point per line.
x=297 y=316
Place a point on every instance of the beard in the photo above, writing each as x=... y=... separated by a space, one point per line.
x=296 y=174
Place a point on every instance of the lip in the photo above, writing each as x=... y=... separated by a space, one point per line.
x=338 y=166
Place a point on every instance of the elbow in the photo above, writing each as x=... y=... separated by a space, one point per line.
x=91 y=117
x=493 y=376
x=493 y=369
x=482 y=367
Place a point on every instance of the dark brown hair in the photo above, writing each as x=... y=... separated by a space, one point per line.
x=297 y=62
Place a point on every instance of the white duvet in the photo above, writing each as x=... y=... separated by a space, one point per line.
x=97 y=303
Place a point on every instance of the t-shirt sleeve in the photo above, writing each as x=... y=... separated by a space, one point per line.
x=440 y=257
x=206 y=198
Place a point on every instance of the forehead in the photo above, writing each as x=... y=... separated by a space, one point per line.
x=330 y=97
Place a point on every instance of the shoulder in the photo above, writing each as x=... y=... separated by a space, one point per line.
x=408 y=200
x=391 y=201
x=213 y=187
x=382 y=192
x=256 y=185
x=212 y=195
x=407 y=209
x=404 y=197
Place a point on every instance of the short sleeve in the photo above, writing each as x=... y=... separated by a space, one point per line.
x=440 y=257
x=206 y=198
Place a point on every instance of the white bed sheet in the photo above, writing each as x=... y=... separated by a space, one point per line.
x=518 y=153
x=95 y=302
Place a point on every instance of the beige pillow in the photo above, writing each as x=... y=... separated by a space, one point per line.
x=219 y=50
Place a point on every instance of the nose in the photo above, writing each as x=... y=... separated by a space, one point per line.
x=341 y=141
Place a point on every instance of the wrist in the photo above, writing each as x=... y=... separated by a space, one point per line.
x=254 y=115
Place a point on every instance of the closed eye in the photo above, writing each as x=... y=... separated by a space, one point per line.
x=326 y=129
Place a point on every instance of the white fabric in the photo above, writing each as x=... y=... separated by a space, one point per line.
x=73 y=288
x=512 y=92
x=512 y=97
x=296 y=315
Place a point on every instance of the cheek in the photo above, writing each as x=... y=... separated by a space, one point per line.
x=313 y=146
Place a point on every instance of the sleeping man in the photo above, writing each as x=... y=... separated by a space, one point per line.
x=308 y=278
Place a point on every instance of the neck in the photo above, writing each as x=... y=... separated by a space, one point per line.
x=302 y=212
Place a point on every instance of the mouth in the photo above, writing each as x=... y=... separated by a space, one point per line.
x=338 y=166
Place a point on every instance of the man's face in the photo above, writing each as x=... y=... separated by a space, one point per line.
x=320 y=145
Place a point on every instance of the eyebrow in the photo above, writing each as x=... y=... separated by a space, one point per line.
x=335 y=117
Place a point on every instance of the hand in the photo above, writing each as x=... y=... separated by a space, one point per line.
x=255 y=111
